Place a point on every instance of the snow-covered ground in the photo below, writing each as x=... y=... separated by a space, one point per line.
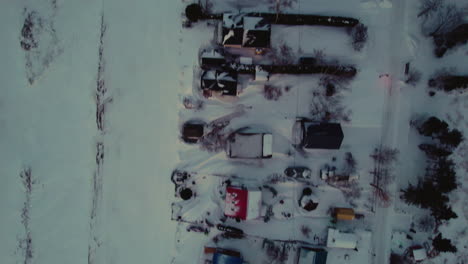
x=49 y=125
x=92 y=104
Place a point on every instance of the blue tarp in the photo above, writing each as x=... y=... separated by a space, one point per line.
x=219 y=258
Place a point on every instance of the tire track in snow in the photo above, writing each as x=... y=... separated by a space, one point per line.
x=102 y=98
x=25 y=244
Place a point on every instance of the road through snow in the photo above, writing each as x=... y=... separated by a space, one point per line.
x=391 y=125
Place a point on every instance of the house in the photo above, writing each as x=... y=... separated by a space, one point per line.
x=257 y=33
x=337 y=239
x=217 y=81
x=212 y=58
x=242 y=203
x=240 y=30
x=315 y=135
x=343 y=213
x=307 y=255
x=224 y=256
x=419 y=253
x=249 y=144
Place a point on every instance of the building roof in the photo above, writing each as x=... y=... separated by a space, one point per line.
x=312 y=256
x=245 y=31
x=222 y=258
x=220 y=81
x=250 y=145
x=337 y=239
x=257 y=32
x=242 y=204
x=344 y=213
x=419 y=254
x=322 y=135
x=190 y=130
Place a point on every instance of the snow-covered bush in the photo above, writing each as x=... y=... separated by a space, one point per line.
x=439 y=17
x=279 y=5
x=358 y=35
x=305 y=230
x=31 y=26
x=451 y=39
x=282 y=54
x=447 y=80
x=426 y=223
x=215 y=140
x=413 y=77
x=272 y=92
x=190 y=102
x=443 y=244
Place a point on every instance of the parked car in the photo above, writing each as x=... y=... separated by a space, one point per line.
x=298 y=172
x=249 y=144
x=309 y=134
x=229 y=229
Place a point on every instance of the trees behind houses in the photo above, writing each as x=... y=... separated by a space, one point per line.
x=440 y=178
x=358 y=35
x=443 y=22
x=448 y=80
x=443 y=245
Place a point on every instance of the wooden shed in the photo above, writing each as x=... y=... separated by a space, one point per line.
x=344 y=213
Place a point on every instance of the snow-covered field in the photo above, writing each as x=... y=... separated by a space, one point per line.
x=92 y=105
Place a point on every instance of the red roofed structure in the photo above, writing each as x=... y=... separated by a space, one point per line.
x=242 y=204
x=236 y=203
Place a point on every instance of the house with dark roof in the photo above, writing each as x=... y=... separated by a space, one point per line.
x=212 y=58
x=240 y=30
x=316 y=135
x=222 y=82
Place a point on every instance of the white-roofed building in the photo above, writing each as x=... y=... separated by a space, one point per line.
x=337 y=239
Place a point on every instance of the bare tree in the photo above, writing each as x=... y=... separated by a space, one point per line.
x=282 y=54
x=358 y=35
x=429 y=6
x=279 y=5
x=384 y=159
x=442 y=20
x=413 y=77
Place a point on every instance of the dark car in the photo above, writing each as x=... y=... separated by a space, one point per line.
x=298 y=172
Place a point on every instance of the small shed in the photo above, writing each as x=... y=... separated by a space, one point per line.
x=222 y=256
x=308 y=255
x=260 y=74
x=212 y=58
x=419 y=253
x=344 y=213
x=337 y=239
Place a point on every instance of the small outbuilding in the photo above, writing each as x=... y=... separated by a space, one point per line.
x=337 y=239
x=307 y=255
x=419 y=253
x=225 y=256
x=343 y=213
x=192 y=131
x=212 y=58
